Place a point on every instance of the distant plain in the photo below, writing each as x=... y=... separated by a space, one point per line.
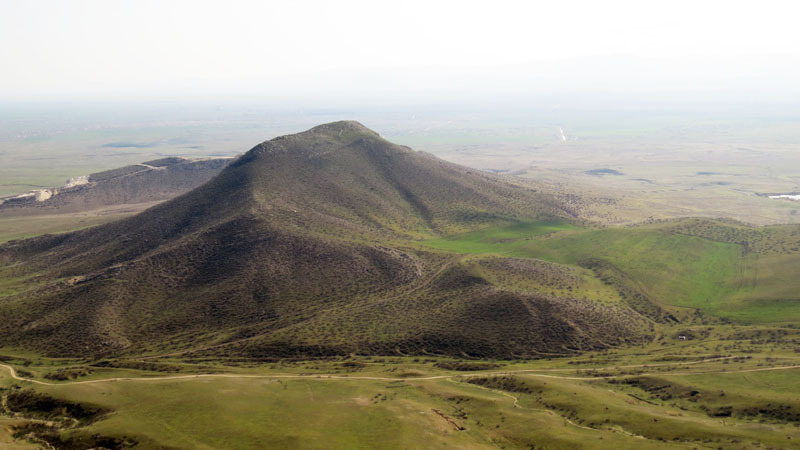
x=635 y=165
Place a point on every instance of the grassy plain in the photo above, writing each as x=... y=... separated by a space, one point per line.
x=23 y=227
x=500 y=240
x=718 y=389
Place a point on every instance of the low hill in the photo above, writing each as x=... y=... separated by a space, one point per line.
x=306 y=245
x=147 y=182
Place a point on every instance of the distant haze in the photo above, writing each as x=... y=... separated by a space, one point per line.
x=317 y=52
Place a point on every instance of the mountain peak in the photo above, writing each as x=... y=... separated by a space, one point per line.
x=341 y=126
x=321 y=139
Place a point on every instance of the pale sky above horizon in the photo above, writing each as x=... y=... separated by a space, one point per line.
x=110 y=48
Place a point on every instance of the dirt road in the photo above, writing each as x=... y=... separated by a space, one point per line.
x=529 y=372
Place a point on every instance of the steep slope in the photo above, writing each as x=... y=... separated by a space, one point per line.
x=302 y=246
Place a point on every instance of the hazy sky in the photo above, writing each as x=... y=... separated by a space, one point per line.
x=73 y=49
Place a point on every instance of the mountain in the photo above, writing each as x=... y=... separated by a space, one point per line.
x=306 y=245
x=147 y=182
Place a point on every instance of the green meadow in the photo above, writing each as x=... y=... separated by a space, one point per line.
x=501 y=240
x=677 y=270
x=667 y=394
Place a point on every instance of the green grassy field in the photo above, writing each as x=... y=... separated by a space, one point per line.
x=676 y=269
x=668 y=394
x=500 y=240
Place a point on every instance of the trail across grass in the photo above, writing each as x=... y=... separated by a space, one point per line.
x=323 y=376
